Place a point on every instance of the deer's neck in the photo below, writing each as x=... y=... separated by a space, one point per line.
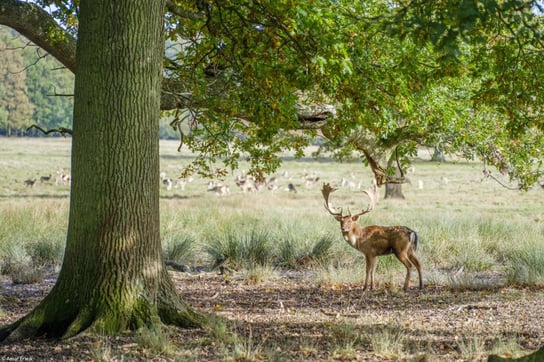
x=352 y=235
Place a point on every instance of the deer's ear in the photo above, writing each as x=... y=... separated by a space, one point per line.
x=355 y=217
x=338 y=217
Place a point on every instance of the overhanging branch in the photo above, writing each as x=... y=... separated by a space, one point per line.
x=378 y=152
x=40 y=27
x=63 y=131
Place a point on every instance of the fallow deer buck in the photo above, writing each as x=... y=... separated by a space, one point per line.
x=374 y=241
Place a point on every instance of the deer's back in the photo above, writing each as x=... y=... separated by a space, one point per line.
x=384 y=239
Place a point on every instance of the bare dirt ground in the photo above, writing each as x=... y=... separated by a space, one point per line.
x=292 y=318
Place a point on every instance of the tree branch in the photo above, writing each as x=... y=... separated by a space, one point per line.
x=38 y=26
x=176 y=10
x=63 y=131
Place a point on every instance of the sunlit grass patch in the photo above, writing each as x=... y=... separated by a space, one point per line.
x=387 y=341
x=344 y=339
x=330 y=275
x=245 y=349
x=466 y=281
x=101 y=350
x=471 y=348
x=260 y=274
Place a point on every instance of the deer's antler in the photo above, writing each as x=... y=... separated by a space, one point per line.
x=372 y=193
x=326 y=190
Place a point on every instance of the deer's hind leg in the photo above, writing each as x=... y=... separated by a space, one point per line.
x=404 y=259
x=415 y=261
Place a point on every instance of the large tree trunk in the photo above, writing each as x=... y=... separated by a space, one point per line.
x=113 y=277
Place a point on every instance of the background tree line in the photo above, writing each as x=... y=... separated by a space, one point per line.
x=35 y=88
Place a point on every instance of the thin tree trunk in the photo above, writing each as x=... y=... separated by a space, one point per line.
x=113 y=277
x=438 y=155
x=394 y=190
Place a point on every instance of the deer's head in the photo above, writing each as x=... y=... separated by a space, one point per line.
x=347 y=221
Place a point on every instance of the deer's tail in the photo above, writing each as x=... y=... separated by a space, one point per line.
x=414 y=238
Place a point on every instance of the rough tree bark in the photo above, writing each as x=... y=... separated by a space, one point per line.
x=394 y=190
x=113 y=277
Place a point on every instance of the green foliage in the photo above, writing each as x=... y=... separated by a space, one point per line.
x=462 y=76
x=50 y=89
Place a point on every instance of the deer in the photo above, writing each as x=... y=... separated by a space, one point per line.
x=30 y=182
x=373 y=241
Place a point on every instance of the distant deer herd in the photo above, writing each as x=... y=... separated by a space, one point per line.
x=372 y=240
x=246 y=183
x=61 y=178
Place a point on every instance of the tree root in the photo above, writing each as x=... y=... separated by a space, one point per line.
x=95 y=318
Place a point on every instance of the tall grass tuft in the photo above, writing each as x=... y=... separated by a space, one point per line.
x=179 y=250
x=299 y=251
x=344 y=338
x=526 y=265
x=471 y=348
x=31 y=236
x=240 y=247
x=321 y=251
x=156 y=339
x=387 y=341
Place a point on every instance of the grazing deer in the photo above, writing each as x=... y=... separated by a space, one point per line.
x=218 y=188
x=374 y=241
x=30 y=183
x=291 y=188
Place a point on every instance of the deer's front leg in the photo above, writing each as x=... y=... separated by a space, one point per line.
x=373 y=263
x=369 y=273
x=370 y=268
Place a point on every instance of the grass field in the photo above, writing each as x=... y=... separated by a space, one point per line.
x=475 y=235
x=465 y=223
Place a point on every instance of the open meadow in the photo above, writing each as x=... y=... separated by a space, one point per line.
x=272 y=268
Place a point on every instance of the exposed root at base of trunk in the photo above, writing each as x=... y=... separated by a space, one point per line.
x=41 y=323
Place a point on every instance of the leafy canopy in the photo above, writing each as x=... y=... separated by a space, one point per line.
x=465 y=76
